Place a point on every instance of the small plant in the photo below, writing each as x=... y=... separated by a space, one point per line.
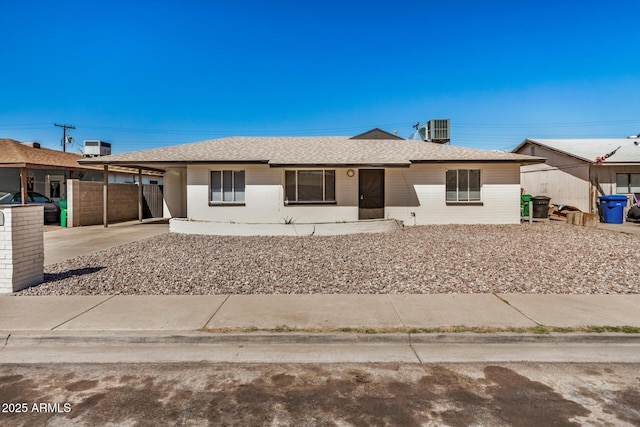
x=540 y=329
x=283 y=328
x=289 y=220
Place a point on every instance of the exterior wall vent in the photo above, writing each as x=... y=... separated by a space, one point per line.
x=95 y=148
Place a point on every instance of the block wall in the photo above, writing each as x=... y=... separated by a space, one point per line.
x=21 y=247
x=85 y=203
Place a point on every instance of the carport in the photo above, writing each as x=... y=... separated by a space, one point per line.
x=105 y=186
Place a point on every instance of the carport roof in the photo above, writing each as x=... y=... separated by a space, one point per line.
x=310 y=151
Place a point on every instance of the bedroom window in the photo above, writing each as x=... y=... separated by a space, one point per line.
x=310 y=186
x=463 y=185
x=227 y=187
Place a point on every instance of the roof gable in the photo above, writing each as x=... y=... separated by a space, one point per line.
x=376 y=133
x=590 y=149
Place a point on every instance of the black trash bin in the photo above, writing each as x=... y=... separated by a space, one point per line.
x=541 y=206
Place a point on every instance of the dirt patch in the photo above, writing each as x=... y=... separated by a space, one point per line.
x=324 y=395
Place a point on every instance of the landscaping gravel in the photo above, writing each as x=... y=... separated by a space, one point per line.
x=539 y=258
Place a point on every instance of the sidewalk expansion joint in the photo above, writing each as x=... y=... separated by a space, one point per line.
x=215 y=312
x=86 y=311
x=396 y=311
x=516 y=309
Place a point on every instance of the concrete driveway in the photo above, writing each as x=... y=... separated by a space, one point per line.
x=61 y=244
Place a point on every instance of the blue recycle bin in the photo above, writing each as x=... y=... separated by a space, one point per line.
x=612 y=208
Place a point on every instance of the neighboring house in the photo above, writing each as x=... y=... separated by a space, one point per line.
x=47 y=170
x=334 y=179
x=578 y=171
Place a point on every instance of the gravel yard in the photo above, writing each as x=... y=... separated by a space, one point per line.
x=529 y=258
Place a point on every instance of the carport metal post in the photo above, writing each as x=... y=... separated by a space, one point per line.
x=139 y=194
x=105 y=196
x=23 y=185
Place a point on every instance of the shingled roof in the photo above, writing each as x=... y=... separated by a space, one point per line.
x=16 y=154
x=311 y=151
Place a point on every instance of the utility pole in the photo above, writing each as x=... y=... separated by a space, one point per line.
x=64 y=134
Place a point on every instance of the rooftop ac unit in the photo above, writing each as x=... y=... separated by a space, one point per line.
x=94 y=148
x=438 y=130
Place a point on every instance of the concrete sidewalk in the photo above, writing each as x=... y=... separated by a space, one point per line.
x=379 y=313
x=316 y=328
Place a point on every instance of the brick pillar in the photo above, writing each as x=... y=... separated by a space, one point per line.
x=21 y=247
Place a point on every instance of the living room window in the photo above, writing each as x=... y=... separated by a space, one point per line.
x=463 y=185
x=226 y=187
x=310 y=186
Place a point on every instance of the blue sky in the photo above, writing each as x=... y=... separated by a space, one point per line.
x=143 y=74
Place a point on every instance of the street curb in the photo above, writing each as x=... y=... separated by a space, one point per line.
x=123 y=338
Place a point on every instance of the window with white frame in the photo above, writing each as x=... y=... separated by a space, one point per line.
x=310 y=186
x=627 y=183
x=226 y=186
x=463 y=185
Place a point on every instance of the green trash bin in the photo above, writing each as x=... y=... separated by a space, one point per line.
x=524 y=204
x=63 y=213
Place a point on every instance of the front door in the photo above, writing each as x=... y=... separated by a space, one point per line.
x=371 y=185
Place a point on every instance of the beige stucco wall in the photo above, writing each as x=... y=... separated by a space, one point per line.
x=419 y=189
x=264 y=198
x=175 y=193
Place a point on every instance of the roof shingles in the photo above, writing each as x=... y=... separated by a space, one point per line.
x=319 y=150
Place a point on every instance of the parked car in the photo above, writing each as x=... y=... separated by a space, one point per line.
x=51 y=208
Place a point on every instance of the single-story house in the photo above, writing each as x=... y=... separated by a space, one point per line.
x=47 y=171
x=317 y=179
x=578 y=171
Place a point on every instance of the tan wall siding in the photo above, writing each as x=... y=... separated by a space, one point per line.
x=563 y=178
x=605 y=178
x=564 y=188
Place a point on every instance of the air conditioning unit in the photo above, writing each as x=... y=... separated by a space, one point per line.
x=437 y=130
x=95 y=148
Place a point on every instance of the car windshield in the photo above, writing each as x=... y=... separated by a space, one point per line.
x=38 y=198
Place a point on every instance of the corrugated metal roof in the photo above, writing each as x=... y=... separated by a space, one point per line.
x=592 y=148
x=315 y=150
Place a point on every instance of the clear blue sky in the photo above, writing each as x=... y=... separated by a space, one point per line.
x=144 y=74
